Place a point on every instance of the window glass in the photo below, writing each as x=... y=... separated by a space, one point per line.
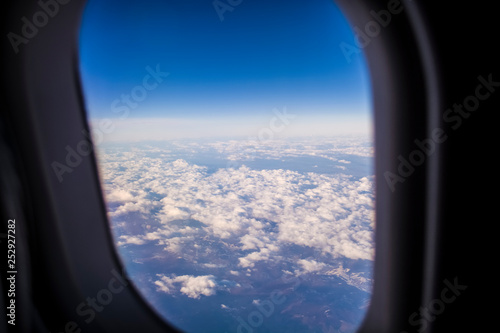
x=235 y=149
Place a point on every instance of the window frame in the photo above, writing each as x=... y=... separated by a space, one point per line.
x=72 y=255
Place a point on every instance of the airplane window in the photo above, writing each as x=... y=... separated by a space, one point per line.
x=234 y=143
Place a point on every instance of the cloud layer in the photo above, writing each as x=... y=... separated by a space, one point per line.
x=191 y=286
x=238 y=217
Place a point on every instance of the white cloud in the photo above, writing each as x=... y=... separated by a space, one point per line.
x=310 y=266
x=253 y=215
x=249 y=260
x=334 y=217
x=164 y=286
x=124 y=239
x=209 y=265
x=194 y=287
x=119 y=195
x=189 y=285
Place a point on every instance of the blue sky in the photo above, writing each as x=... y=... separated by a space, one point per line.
x=230 y=73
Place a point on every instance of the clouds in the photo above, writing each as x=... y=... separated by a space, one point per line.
x=119 y=195
x=264 y=254
x=124 y=239
x=311 y=265
x=239 y=218
x=189 y=285
x=327 y=147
